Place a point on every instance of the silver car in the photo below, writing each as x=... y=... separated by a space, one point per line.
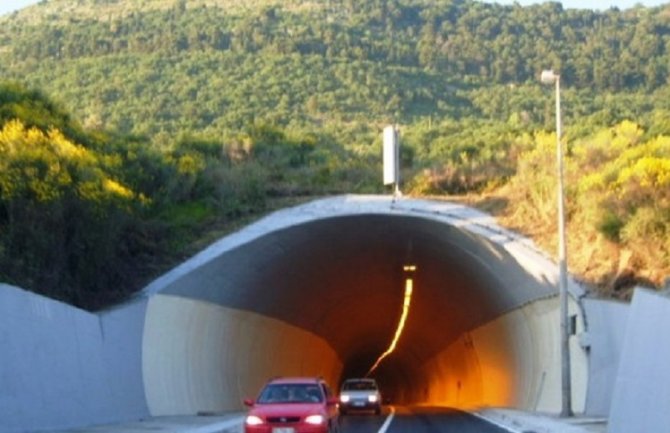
x=360 y=394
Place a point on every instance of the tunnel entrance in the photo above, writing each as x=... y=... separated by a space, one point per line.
x=322 y=294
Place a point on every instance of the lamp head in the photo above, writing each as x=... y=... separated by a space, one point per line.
x=548 y=76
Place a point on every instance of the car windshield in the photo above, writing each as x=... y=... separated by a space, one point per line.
x=291 y=393
x=359 y=385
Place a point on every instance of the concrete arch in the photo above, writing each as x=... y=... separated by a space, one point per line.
x=317 y=289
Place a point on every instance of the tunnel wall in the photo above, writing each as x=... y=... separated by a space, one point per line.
x=512 y=361
x=201 y=357
x=62 y=367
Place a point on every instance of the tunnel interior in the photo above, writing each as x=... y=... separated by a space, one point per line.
x=341 y=279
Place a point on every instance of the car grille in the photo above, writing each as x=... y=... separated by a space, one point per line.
x=283 y=419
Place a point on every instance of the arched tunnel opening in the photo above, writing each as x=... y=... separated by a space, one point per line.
x=324 y=296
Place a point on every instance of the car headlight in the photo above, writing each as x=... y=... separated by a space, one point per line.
x=345 y=398
x=253 y=420
x=373 y=398
x=315 y=419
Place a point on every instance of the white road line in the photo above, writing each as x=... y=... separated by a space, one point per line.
x=387 y=423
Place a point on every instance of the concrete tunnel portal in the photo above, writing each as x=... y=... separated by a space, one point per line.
x=318 y=290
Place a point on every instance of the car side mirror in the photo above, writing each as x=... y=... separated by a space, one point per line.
x=248 y=402
x=332 y=401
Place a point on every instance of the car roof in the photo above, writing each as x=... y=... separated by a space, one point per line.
x=296 y=380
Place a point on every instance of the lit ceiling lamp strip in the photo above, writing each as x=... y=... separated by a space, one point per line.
x=401 y=324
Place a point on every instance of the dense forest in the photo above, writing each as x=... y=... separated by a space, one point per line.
x=167 y=121
x=213 y=66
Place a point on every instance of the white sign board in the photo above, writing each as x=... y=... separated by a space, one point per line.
x=391 y=165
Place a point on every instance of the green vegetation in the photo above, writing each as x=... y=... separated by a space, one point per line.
x=89 y=217
x=184 y=117
x=618 y=190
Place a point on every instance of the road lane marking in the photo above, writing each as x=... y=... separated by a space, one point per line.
x=387 y=422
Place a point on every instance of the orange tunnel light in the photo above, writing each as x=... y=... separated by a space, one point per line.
x=401 y=324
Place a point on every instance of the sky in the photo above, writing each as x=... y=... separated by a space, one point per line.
x=592 y=4
x=7 y=6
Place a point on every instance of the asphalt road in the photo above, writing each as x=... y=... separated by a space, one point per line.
x=417 y=420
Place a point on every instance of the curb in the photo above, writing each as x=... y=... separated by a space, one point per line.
x=227 y=426
x=496 y=422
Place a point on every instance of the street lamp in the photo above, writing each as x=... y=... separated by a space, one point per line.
x=549 y=77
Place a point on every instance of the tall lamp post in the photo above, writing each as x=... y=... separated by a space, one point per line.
x=549 y=77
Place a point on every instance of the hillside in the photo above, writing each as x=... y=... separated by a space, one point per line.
x=194 y=114
x=212 y=66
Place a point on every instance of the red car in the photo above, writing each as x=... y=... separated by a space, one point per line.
x=293 y=405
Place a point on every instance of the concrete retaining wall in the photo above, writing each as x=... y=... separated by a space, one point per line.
x=513 y=361
x=62 y=367
x=607 y=327
x=641 y=395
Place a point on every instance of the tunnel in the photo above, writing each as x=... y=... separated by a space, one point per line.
x=318 y=290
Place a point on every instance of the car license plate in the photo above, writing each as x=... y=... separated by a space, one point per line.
x=359 y=403
x=283 y=430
